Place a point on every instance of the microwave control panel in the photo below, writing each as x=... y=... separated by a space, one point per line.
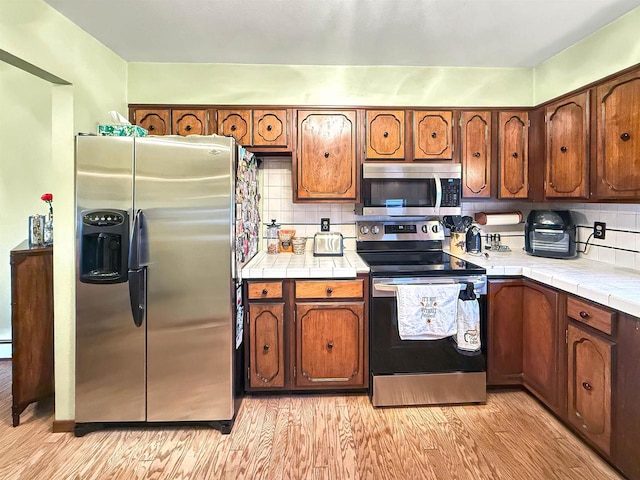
x=450 y=192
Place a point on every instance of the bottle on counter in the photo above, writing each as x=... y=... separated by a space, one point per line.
x=272 y=237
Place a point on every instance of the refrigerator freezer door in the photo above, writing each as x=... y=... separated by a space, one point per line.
x=110 y=349
x=185 y=189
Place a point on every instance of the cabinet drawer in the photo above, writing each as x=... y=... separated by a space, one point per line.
x=259 y=290
x=600 y=318
x=330 y=289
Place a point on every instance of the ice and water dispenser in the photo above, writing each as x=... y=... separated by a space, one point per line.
x=104 y=246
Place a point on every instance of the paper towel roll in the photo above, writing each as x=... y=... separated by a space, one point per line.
x=508 y=218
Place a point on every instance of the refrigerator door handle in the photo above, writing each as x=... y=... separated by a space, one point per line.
x=137 y=273
x=138 y=294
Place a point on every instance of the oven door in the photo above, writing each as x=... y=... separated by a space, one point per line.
x=419 y=372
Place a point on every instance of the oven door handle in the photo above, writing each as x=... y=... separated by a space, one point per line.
x=479 y=287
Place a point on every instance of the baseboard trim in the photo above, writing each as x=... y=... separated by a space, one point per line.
x=62 y=426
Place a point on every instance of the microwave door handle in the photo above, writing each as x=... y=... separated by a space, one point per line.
x=438 y=192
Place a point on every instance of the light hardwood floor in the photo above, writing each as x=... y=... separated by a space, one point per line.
x=310 y=437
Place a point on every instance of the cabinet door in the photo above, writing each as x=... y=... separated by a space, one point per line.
x=270 y=128
x=266 y=344
x=476 y=154
x=589 y=399
x=433 y=135
x=236 y=123
x=513 y=158
x=326 y=159
x=504 y=339
x=567 y=165
x=541 y=343
x=618 y=144
x=384 y=134
x=189 y=122
x=156 y=122
x=626 y=429
x=329 y=344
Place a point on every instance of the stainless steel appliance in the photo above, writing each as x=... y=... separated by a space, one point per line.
x=157 y=255
x=328 y=244
x=410 y=189
x=410 y=372
x=550 y=233
x=473 y=240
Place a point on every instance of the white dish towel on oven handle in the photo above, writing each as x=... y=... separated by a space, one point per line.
x=468 y=325
x=427 y=312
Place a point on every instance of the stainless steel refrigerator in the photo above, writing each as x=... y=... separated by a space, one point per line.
x=158 y=254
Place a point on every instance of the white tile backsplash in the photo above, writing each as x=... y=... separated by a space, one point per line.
x=277 y=194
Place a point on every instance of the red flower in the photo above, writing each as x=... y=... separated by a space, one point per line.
x=48 y=197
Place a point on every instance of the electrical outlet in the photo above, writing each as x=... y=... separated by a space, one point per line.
x=325 y=224
x=599 y=230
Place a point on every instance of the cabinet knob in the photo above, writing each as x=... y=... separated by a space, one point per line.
x=477 y=154
x=266 y=348
x=563 y=149
x=269 y=128
x=265 y=291
x=584 y=315
x=233 y=128
x=587 y=386
x=152 y=128
x=434 y=134
x=514 y=154
x=625 y=136
x=385 y=134
x=188 y=128
x=330 y=345
x=326 y=154
x=329 y=291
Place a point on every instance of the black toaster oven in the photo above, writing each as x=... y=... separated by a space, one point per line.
x=550 y=233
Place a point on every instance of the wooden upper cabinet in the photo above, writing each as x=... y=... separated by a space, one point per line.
x=589 y=383
x=432 y=135
x=189 y=122
x=513 y=158
x=236 y=123
x=326 y=166
x=542 y=335
x=329 y=344
x=270 y=128
x=618 y=137
x=385 y=134
x=567 y=131
x=476 y=154
x=156 y=122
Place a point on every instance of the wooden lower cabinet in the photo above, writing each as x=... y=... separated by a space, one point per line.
x=626 y=396
x=329 y=344
x=504 y=350
x=266 y=345
x=306 y=334
x=31 y=326
x=542 y=333
x=589 y=385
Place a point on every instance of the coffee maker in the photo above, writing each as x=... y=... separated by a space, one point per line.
x=474 y=240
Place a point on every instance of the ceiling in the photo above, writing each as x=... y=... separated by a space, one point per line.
x=452 y=33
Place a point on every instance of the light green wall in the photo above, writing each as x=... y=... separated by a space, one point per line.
x=25 y=167
x=35 y=33
x=328 y=85
x=609 y=50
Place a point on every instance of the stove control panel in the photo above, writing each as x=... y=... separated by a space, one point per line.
x=400 y=230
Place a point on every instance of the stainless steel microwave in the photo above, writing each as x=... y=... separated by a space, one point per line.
x=410 y=189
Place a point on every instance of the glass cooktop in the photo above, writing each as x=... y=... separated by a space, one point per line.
x=418 y=263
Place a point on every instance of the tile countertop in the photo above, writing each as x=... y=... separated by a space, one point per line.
x=616 y=287
x=288 y=265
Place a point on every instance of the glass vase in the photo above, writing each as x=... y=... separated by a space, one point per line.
x=47 y=235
